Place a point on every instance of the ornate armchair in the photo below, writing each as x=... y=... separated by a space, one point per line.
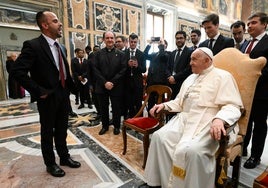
x=246 y=72
x=147 y=125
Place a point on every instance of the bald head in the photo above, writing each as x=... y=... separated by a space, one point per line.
x=201 y=59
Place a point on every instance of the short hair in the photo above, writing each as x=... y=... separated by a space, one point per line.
x=96 y=46
x=133 y=36
x=77 y=50
x=237 y=24
x=263 y=17
x=181 y=32
x=197 y=31
x=165 y=41
x=104 y=33
x=88 y=48
x=121 y=37
x=40 y=17
x=214 y=18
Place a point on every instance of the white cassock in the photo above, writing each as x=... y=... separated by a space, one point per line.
x=182 y=153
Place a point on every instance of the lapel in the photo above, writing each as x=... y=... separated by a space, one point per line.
x=64 y=56
x=260 y=44
x=218 y=44
x=243 y=46
x=46 y=48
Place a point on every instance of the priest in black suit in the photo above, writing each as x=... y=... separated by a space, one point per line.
x=109 y=68
x=50 y=84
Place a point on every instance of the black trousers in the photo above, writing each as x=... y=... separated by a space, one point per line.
x=257 y=118
x=104 y=109
x=133 y=100
x=53 y=113
x=84 y=94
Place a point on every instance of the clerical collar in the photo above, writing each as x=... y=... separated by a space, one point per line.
x=109 y=50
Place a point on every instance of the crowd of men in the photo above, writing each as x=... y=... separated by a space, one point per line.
x=166 y=68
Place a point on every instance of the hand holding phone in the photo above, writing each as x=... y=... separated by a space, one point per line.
x=155 y=39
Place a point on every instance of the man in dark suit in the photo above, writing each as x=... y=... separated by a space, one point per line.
x=109 y=68
x=179 y=63
x=79 y=67
x=257 y=47
x=195 y=38
x=238 y=30
x=134 y=79
x=49 y=84
x=120 y=43
x=158 y=70
x=216 y=42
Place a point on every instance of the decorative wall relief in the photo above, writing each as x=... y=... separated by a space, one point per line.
x=17 y=18
x=107 y=18
x=98 y=40
x=80 y=17
x=78 y=40
x=133 y=22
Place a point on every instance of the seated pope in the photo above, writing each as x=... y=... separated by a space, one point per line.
x=182 y=152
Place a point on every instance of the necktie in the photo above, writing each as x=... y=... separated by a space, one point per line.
x=62 y=77
x=210 y=46
x=132 y=52
x=195 y=47
x=176 y=59
x=250 y=46
x=177 y=55
x=81 y=61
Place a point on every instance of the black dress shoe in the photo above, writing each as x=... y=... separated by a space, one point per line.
x=90 y=106
x=72 y=114
x=81 y=106
x=76 y=102
x=252 y=163
x=55 y=171
x=103 y=131
x=70 y=162
x=116 y=131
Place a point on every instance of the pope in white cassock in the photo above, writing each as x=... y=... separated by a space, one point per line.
x=182 y=153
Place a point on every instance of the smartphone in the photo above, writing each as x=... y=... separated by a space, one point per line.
x=155 y=39
x=133 y=58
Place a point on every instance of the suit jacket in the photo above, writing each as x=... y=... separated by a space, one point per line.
x=80 y=69
x=37 y=58
x=261 y=49
x=182 y=69
x=158 y=70
x=109 y=66
x=244 y=45
x=136 y=80
x=221 y=43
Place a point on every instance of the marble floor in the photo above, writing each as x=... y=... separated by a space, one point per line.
x=103 y=164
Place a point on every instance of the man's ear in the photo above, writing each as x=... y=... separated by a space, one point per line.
x=44 y=25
